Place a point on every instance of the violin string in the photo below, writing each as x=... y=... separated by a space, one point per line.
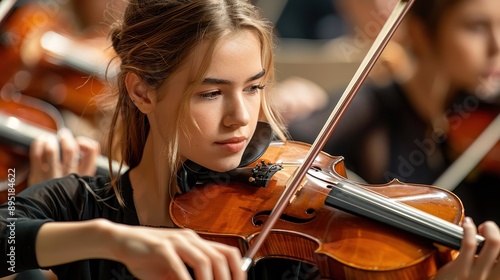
x=402 y=211
x=352 y=197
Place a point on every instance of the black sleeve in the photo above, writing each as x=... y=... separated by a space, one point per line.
x=55 y=200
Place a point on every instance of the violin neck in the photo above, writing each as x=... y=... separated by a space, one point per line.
x=20 y=134
x=360 y=201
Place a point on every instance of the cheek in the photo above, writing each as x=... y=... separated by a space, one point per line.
x=189 y=143
x=462 y=61
x=202 y=121
x=255 y=106
x=201 y=126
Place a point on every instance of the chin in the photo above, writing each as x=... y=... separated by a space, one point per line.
x=224 y=167
x=224 y=164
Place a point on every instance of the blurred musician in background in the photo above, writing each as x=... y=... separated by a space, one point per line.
x=402 y=130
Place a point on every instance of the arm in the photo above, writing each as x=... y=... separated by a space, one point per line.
x=147 y=253
x=55 y=242
x=50 y=231
x=23 y=215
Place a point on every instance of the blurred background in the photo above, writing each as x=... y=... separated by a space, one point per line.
x=419 y=111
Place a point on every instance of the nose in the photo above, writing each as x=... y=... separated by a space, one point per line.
x=495 y=42
x=236 y=111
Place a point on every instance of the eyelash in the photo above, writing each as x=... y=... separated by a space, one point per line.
x=210 y=95
x=256 y=88
x=213 y=94
x=476 y=26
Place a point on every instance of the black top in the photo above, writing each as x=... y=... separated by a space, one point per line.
x=65 y=199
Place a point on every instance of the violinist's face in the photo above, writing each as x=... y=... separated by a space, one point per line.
x=468 y=42
x=224 y=110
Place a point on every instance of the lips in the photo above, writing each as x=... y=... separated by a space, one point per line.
x=233 y=145
x=493 y=72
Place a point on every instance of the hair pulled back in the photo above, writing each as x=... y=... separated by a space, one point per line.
x=430 y=12
x=153 y=40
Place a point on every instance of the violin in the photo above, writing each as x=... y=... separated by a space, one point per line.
x=470 y=129
x=474 y=143
x=14 y=157
x=22 y=119
x=50 y=63
x=313 y=230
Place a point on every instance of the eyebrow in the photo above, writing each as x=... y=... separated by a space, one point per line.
x=215 y=81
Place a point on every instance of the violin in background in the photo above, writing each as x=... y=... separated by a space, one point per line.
x=61 y=70
x=470 y=129
x=22 y=119
x=52 y=69
x=48 y=62
x=14 y=156
x=473 y=138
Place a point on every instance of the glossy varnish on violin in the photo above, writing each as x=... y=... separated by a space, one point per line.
x=12 y=156
x=45 y=60
x=22 y=120
x=341 y=245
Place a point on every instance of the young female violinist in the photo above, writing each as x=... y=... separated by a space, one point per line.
x=401 y=130
x=194 y=80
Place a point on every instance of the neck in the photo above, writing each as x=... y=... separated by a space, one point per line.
x=150 y=181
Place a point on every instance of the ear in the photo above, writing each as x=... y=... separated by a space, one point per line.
x=140 y=93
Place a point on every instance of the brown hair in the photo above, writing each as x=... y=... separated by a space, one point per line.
x=153 y=40
x=430 y=12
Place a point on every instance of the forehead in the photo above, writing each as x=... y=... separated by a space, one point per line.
x=484 y=8
x=235 y=56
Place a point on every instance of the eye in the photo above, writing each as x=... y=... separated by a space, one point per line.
x=210 y=95
x=477 y=26
x=254 y=88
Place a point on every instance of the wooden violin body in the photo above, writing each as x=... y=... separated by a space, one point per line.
x=341 y=245
x=20 y=123
x=14 y=158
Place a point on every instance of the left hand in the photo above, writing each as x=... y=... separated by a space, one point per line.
x=53 y=157
x=468 y=265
